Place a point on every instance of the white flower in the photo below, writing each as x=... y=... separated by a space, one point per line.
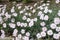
x=46 y=10
x=21 y=12
x=50 y=11
x=48 y=1
x=57 y=1
x=31 y=39
x=22 y=31
x=35 y=4
x=44 y=29
x=4 y=25
x=22 y=24
x=26 y=7
x=40 y=7
x=53 y=26
x=43 y=4
x=2 y=35
x=31 y=7
x=15 y=14
x=16 y=38
x=1 y=19
x=39 y=13
x=27 y=34
x=15 y=32
x=56 y=20
x=31 y=23
x=58 y=13
x=2 y=31
x=33 y=11
x=28 y=19
x=24 y=17
x=25 y=24
x=42 y=24
x=50 y=32
x=2 y=14
x=25 y=38
x=26 y=13
x=19 y=7
x=12 y=25
x=29 y=14
x=35 y=19
x=18 y=23
x=19 y=36
x=47 y=4
x=12 y=20
x=59 y=33
x=42 y=17
x=38 y=35
x=46 y=17
x=56 y=36
x=7 y=15
x=12 y=10
x=43 y=34
x=58 y=29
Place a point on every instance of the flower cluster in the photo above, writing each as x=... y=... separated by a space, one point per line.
x=28 y=22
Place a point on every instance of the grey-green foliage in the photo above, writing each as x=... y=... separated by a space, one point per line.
x=26 y=1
